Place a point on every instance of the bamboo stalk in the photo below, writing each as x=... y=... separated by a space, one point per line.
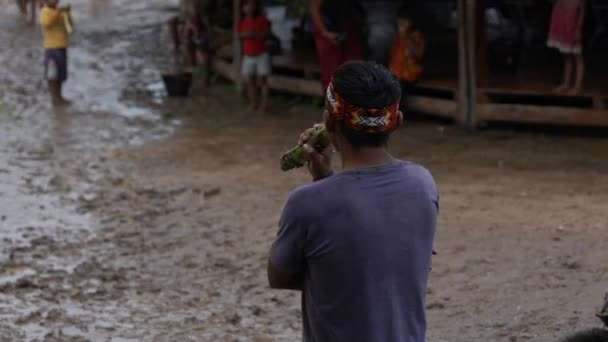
x=295 y=157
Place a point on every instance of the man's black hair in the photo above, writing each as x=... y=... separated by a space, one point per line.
x=367 y=85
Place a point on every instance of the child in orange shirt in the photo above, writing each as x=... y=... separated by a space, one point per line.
x=407 y=51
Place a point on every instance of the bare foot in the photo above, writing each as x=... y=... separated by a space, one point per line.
x=265 y=108
x=562 y=88
x=574 y=91
x=61 y=102
x=253 y=107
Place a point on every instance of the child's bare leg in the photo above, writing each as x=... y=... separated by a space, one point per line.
x=263 y=84
x=567 y=73
x=579 y=63
x=22 y=4
x=251 y=92
x=64 y=101
x=203 y=63
x=208 y=63
x=55 y=92
x=174 y=33
x=188 y=55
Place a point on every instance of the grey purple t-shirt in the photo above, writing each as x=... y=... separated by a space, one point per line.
x=363 y=240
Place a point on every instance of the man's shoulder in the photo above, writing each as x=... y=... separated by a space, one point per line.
x=311 y=194
x=303 y=191
x=415 y=168
x=419 y=174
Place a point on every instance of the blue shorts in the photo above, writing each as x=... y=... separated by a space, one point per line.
x=56 y=64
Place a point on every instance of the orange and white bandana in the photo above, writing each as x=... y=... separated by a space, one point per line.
x=368 y=120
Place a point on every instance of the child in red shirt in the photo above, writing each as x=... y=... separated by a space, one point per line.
x=254 y=29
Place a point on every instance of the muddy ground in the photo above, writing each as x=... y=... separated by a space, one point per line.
x=131 y=217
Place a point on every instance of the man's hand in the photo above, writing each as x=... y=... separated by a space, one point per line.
x=254 y=34
x=333 y=37
x=246 y=34
x=319 y=163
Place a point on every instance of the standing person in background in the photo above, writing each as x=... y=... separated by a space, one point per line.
x=34 y=4
x=197 y=37
x=407 y=52
x=55 y=41
x=380 y=19
x=22 y=4
x=175 y=24
x=566 y=35
x=358 y=243
x=23 y=8
x=254 y=30
x=337 y=34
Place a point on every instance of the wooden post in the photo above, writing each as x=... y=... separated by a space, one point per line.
x=236 y=43
x=481 y=43
x=467 y=85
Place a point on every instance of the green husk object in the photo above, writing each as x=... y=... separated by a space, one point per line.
x=296 y=157
x=603 y=314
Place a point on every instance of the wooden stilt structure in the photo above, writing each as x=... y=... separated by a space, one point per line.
x=474 y=97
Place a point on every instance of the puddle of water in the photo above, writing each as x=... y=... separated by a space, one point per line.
x=30 y=205
x=27 y=207
x=96 y=87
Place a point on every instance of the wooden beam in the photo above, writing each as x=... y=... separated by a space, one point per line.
x=236 y=43
x=599 y=102
x=225 y=69
x=422 y=104
x=481 y=43
x=283 y=83
x=467 y=97
x=294 y=85
x=542 y=114
x=428 y=105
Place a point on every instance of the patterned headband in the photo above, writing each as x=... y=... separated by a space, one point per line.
x=358 y=118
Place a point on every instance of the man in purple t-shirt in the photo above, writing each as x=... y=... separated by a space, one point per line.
x=358 y=243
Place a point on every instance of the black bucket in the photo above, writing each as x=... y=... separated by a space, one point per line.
x=177 y=85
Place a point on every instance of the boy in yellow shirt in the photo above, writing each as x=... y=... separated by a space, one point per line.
x=55 y=40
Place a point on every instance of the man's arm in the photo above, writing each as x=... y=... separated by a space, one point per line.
x=421 y=45
x=315 y=14
x=287 y=260
x=280 y=280
x=581 y=21
x=245 y=34
x=262 y=33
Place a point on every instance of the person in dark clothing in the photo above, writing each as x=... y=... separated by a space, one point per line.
x=358 y=243
x=192 y=35
x=337 y=35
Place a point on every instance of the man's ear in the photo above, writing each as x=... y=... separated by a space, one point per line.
x=400 y=119
x=329 y=121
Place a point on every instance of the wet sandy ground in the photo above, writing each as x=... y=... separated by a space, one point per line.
x=119 y=224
